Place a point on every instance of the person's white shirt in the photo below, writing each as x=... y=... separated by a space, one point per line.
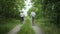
x=33 y=14
x=21 y=14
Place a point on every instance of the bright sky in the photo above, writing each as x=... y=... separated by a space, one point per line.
x=27 y=6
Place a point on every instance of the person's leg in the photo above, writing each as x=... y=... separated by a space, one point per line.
x=32 y=20
x=21 y=20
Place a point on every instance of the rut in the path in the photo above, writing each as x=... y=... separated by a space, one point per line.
x=37 y=30
x=15 y=29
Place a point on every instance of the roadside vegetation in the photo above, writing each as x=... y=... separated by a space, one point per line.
x=7 y=24
x=9 y=14
x=26 y=28
x=47 y=15
x=48 y=28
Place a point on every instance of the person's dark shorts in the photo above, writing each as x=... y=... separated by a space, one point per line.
x=22 y=19
x=32 y=19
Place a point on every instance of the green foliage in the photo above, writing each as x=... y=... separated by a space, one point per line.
x=47 y=28
x=48 y=10
x=26 y=28
x=7 y=25
x=10 y=8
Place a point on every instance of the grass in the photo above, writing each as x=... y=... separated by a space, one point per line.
x=7 y=25
x=48 y=28
x=26 y=28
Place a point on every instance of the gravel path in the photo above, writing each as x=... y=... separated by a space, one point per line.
x=15 y=29
x=37 y=30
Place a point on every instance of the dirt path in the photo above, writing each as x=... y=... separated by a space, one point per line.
x=37 y=30
x=15 y=29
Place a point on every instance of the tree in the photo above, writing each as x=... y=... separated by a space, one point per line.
x=10 y=8
x=49 y=10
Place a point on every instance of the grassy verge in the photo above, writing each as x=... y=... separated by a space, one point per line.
x=7 y=25
x=26 y=28
x=48 y=28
